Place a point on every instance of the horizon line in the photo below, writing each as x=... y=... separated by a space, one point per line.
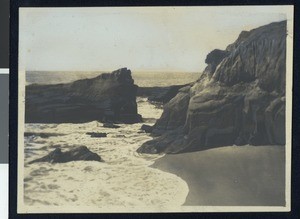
x=109 y=71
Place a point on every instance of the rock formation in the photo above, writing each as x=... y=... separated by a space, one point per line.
x=147 y=128
x=78 y=153
x=238 y=99
x=109 y=97
x=159 y=94
x=97 y=134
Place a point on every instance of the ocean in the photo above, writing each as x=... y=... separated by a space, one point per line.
x=142 y=79
x=124 y=182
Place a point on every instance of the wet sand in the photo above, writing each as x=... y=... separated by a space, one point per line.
x=231 y=176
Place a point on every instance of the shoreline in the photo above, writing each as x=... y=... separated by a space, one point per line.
x=230 y=176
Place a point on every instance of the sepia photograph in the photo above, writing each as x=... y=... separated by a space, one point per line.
x=154 y=109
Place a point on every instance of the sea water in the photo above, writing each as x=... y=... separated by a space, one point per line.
x=124 y=180
x=142 y=79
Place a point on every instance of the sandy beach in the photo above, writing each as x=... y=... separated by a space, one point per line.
x=231 y=176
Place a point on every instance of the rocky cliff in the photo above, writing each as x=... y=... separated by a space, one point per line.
x=238 y=99
x=108 y=97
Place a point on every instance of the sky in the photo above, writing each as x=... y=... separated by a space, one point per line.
x=139 y=38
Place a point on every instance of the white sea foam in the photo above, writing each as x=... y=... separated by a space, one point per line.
x=123 y=180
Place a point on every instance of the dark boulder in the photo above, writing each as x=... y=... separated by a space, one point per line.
x=108 y=97
x=147 y=128
x=76 y=154
x=242 y=101
x=97 y=134
x=111 y=125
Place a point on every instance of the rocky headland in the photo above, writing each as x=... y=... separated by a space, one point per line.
x=110 y=97
x=239 y=98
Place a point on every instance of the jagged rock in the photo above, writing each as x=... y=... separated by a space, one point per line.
x=257 y=55
x=213 y=59
x=78 y=153
x=111 y=125
x=239 y=98
x=216 y=56
x=108 y=97
x=97 y=134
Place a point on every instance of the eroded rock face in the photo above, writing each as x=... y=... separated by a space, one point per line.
x=239 y=98
x=78 y=153
x=109 y=97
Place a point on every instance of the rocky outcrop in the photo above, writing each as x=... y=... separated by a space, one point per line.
x=109 y=97
x=78 y=153
x=159 y=94
x=239 y=98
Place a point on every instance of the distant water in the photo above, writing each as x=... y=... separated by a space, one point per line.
x=163 y=79
x=142 y=79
